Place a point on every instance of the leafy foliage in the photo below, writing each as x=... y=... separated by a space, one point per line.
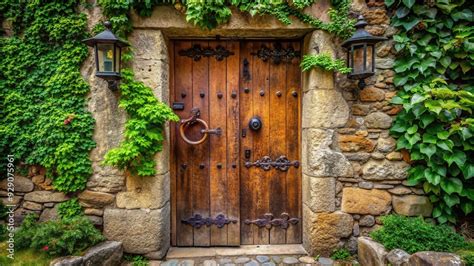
x=324 y=61
x=413 y=234
x=43 y=119
x=136 y=260
x=58 y=237
x=210 y=14
x=435 y=69
x=143 y=130
x=70 y=209
x=341 y=254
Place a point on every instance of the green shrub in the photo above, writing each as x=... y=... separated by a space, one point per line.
x=58 y=237
x=136 y=260
x=69 y=209
x=3 y=211
x=3 y=232
x=413 y=234
x=341 y=254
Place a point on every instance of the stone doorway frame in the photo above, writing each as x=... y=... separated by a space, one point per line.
x=323 y=110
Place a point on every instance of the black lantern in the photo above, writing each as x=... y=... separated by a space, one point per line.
x=108 y=49
x=360 y=52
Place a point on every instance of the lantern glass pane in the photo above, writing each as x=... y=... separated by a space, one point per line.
x=370 y=58
x=358 y=57
x=106 y=57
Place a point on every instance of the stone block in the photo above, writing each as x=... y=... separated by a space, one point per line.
x=46 y=196
x=95 y=198
x=322 y=231
x=386 y=144
x=108 y=253
x=49 y=214
x=378 y=120
x=22 y=184
x=372 y=94
x=327 y=163
x=319 y=193
x=30 y=205
x=148 y=44
x=398 y=257
x=324 y=109
x=362 y=201
x=140 y=231
x=435 y=258
x=385 y=170
x=354 y=143
x=412 y=205
x=151 y=192
x=370 y=252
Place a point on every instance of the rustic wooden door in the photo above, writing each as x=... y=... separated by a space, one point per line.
x=235 y=176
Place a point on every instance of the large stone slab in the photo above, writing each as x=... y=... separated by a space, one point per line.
x=95 y=198
x=370 y=252
x=322 y=231
x=145 y=192
x=108 y=253
x=327 y=163
x=398 y=257
x=385 y=170
x=22 y=184
x=378 y=120
x=412 y=205
x=363 y=201
x=431 y=258
x=324 y=109
x=140 y=231
x=46 y=196
x=319 y=193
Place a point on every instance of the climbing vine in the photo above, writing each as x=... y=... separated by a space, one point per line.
x=435 y=71
x=324 y=61
x=43 y=119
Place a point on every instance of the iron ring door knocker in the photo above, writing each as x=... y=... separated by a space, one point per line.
x=185 y=123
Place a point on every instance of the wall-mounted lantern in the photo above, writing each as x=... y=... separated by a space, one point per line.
x=108 y=51
x=361 y=52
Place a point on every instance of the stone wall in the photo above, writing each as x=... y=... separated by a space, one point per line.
x=351 y=172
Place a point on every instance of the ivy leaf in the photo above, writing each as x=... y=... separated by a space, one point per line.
x=424 y=40
x=467 y=170
x=428 y=149
x=467 y=207
x=446 y=145
x=458 y=157
x=400 y=80
x=443 y=134
x=428 y=138
x=432 y=177
x=408 y=25
x=465 y=14
x=389 y=3
x=402 y=11
x=408 y=3
x=427 y=119
x=417 y=98
x=437 y=212
x=451 y=185
x=445 y=61
x=468 y=192
x=451 y=200
x=412 y=130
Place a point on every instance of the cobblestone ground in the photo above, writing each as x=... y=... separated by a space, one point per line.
x=251 y=261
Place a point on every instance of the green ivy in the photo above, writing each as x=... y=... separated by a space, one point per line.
x=43 y=116
x=143 y=130
x=324 y=61
x=70 y=209
x=435 y=71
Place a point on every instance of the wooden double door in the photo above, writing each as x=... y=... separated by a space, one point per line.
x=236 y=177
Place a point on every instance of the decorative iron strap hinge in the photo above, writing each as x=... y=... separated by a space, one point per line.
x=196 y=52
x=197 y=221
x=268 y=221
x=266 y=163
x=278 y=54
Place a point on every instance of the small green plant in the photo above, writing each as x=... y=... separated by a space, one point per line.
x=57 y=237
x=69 y=209
x=413 y=234
x=136 y=260
x=3 y=232
x=341 y=254
x=325 y=62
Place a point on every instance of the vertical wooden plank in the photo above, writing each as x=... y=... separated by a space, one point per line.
x=184 y=207
x=261 y=104
x=247 y=195
x=172 y=147
x=293 y=178
x=217 y=114
x=200 y=178
x=233 y=163
x=278 y=142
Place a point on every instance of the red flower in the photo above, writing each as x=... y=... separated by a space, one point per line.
x=45 y=248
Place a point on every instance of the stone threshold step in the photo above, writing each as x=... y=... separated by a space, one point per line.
x=244 y=250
